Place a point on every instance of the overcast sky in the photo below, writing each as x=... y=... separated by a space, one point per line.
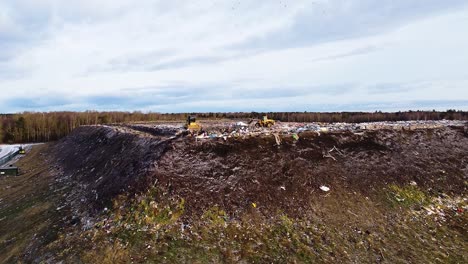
x=220 y=55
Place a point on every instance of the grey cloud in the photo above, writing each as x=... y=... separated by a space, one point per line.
x=337 y=20
x=186 y=62
x=34 y=103
x=151 y=62
x=174 y=99
x=133 y=62
x=182 y=93
x=10 y=73
x=388 y=88
x=355 y=52
x=25 y=27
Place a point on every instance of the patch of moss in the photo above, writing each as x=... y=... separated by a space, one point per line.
x=409 y=196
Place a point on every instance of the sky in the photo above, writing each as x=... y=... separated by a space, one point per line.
x=222 y=55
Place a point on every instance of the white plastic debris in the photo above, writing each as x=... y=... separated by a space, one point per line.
x=283 y=188
x=324 y=188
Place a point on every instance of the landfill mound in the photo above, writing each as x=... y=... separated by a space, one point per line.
x=275 y=171
x=100 y=162
x=231 y=193
x=235 y=173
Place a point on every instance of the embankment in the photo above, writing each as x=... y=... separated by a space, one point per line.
x=149 y=195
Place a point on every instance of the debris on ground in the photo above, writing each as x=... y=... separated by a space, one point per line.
x=229 y=193
x=242 y=129
x=295 y=136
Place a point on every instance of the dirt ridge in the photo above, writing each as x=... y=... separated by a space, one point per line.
x=106 y=161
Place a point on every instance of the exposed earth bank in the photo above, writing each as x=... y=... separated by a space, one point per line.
x=120 y=193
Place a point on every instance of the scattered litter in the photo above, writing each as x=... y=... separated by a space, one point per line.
x=278 y=139
x=324 y=129
x=254 y=205
x=443 y=206
x=336 y=150
x=245 y=128
x=328 y=155
x=295 y=136
x=242 y=124
x=324 y=188
x=283 y=188
x=413 y=183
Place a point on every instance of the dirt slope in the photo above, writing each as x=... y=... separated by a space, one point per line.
x=101 y=162
x=190 y=200
x=236 y=173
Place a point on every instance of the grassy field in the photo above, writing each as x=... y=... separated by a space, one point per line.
x=338 y=228
x=27 y=212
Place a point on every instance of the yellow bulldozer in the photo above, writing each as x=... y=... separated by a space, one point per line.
x=265 y=122
x=192 y=124
x=21 y=150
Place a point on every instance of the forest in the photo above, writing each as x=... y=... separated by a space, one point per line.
x=49 y=126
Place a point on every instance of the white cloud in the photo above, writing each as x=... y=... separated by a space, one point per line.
x=107 y=48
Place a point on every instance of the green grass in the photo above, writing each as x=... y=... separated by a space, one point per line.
x=151 y=227
x=215 y=237
x=408 y=196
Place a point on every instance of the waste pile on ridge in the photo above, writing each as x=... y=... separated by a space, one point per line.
x=276 y=168
x=224 y=130
x=286 y=172
x=290 y=193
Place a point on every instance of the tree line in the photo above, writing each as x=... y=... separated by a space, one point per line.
x=49 y=126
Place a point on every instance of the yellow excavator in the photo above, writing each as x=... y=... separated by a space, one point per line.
x=192 y=124
x=265 y=122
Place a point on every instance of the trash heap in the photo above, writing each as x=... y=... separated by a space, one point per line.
x=161 y=130
x=242 y=129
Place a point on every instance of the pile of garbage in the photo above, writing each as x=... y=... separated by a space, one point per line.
x=243 y=129
x=357 y=127
x=160 y=130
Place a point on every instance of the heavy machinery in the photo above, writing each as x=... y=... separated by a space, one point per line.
x=265 y=122
x=192 y=125
x=21 y=150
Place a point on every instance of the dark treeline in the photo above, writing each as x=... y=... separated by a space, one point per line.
x=348 y=117
x=42 y=127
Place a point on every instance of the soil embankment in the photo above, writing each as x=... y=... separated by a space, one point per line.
x=103 y=162
x=385 y=187
x=235 y=173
